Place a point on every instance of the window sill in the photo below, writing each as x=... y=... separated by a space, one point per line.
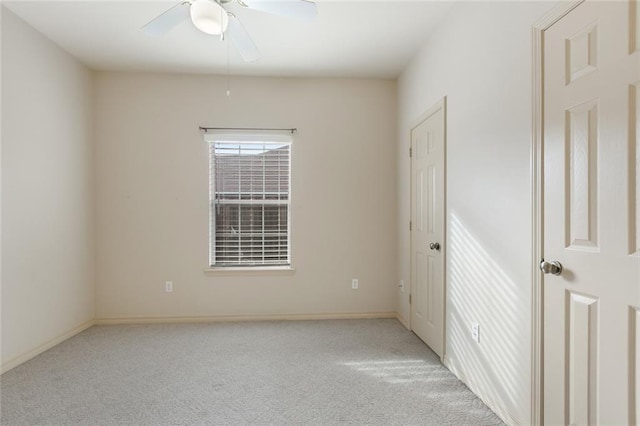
x=255 y=271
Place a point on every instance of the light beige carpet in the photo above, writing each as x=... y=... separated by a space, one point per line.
x=363 y=372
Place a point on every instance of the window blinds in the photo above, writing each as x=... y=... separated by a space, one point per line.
x=249 y=201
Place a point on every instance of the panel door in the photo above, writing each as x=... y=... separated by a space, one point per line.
x=591 y=215
x=427 y=236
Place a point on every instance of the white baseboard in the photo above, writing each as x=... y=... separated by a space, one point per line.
x=20 y=359
x=403 y=321
x=238 y=318
x=504 y=415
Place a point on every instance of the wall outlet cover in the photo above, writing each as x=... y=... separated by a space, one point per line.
x=475 y=332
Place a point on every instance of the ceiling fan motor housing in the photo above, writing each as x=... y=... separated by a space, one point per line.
x=209 y=17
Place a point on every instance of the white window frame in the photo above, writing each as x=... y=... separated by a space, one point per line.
x=246 y=137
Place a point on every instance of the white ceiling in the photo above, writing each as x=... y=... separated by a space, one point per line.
x=347 y=39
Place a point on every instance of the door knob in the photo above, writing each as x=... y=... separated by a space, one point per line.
x=434 y=246
x=554 y=267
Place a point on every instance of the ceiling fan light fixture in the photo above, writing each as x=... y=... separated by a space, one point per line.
x=209 y=17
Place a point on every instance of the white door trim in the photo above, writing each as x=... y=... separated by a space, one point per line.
x=537 y=156
x=440 y=104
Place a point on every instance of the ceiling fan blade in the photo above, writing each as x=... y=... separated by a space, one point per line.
x=169 y=19
x=299 y=9
x=242 y=40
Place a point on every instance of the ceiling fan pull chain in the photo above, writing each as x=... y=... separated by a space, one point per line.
x=222 y=12
x=228 y=68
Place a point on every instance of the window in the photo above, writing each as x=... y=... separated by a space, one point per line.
x=249 y=199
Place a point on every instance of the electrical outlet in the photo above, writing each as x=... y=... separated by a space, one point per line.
x=401 y=286
x=475 y=332
x=354 y=284
x=168 y=286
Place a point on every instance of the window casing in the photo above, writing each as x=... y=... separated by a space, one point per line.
x=249 y=200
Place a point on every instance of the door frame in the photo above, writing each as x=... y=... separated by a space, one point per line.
x=537 y=203
x=440 y=104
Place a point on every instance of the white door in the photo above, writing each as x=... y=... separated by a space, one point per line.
x=592 y=216
x=427 y=234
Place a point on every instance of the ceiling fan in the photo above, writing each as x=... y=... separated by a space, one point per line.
x=211 y=17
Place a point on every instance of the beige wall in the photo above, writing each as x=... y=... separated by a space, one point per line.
x=152 y=194
x=47 y=182
x=480 y=58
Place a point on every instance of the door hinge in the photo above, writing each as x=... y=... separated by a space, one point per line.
x=410 y=152
x=409 y=298
x=410 y=226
